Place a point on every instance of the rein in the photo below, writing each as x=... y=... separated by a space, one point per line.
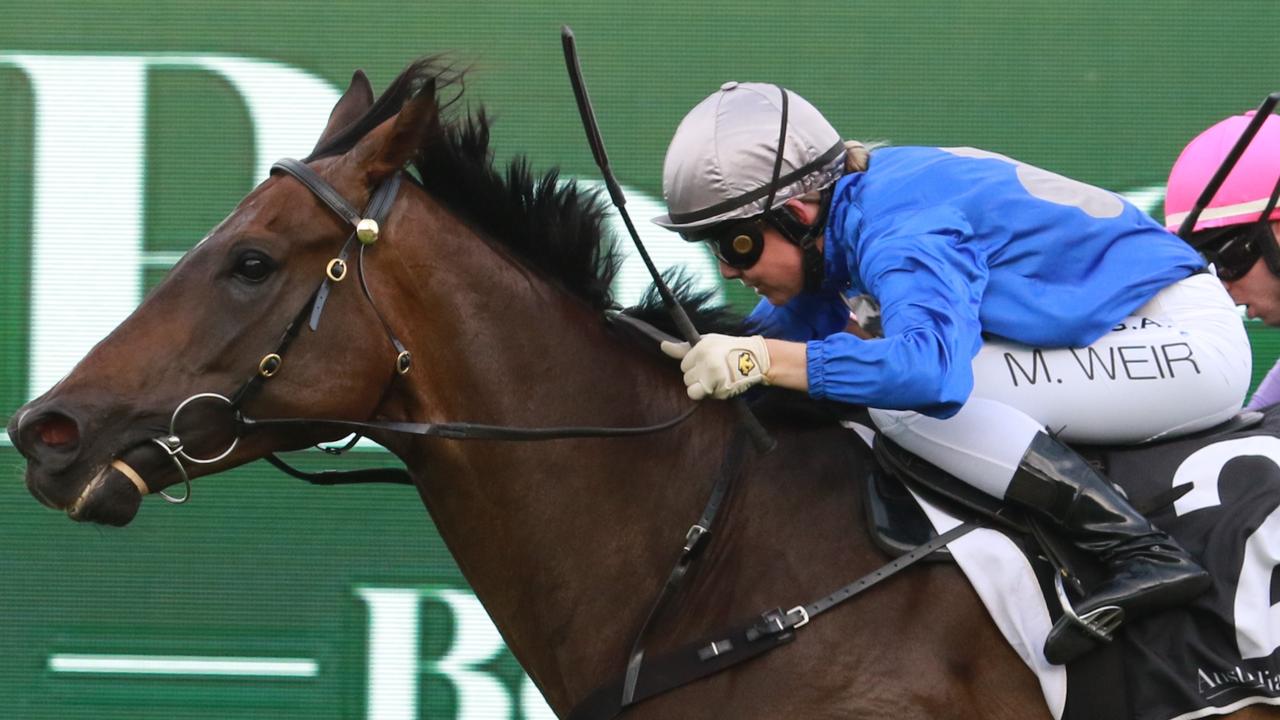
x=475 y=431
x=366 y=230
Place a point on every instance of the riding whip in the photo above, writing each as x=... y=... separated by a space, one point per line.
x=759 y=436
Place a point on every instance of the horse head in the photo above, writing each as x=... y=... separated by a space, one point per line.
x=215 y=330
x=473 y=297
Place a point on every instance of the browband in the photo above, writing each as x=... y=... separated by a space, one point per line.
x=320 y=187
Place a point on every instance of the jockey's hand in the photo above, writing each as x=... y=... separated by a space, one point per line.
x=721 y=366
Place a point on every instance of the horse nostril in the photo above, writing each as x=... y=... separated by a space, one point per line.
x=58 y=431
x=52 y=431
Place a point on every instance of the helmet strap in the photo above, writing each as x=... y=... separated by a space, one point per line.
x=805 y=236
x=778 y=154
x=815 y=270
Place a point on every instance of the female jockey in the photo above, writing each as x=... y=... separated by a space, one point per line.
x=1019 y=308
x=1235 y=232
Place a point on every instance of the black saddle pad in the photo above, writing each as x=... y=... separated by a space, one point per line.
x=1222 y=651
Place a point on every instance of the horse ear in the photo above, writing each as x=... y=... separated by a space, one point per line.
x=353 y=104
x=387 y=148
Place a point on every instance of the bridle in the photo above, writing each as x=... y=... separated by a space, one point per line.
x=366 y=230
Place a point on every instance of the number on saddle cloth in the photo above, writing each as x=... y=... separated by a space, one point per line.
x=1220 y=649
x=897 y=522
x=1218 y=494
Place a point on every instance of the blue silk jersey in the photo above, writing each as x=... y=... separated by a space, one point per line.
x=958 y=242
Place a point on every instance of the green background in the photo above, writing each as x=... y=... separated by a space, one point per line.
x=261 y=565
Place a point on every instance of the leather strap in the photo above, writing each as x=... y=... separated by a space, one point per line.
x=693 y=544
x=254 y=383
x=771 y=629
x=320 y=188
x=379 y=207
x=395 y=476
x=676 y=669
x=472 y=431
x=822 y=605
x=322 y=295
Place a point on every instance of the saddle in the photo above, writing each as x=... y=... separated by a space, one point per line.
x=898 y=523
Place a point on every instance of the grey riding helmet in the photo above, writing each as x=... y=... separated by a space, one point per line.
x=724 y=156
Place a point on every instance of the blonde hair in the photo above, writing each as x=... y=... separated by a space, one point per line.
x=858 y=154
x=857 y=159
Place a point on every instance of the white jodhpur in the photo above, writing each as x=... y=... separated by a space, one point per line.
x=1178 y=364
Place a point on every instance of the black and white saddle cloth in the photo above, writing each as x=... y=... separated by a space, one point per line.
x=1217 y=655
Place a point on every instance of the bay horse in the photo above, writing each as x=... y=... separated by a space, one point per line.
x=489 y=291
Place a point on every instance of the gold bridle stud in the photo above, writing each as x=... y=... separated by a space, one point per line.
x=367 y=231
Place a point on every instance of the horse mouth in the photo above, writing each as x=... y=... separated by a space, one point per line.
x=108 y=498
x=34 y=488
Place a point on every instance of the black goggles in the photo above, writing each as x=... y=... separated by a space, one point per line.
x=737 y=244
x=1236 y=252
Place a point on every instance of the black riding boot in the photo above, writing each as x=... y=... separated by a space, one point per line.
x=1149 y=570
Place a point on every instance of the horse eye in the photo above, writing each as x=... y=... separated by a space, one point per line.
x=253 y=266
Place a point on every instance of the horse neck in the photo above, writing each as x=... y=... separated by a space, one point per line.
x=564 y=542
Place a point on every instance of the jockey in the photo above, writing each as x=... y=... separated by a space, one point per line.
x=1019 y=309
x=1234 y=233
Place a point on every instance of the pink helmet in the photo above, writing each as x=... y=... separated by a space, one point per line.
x=1244 y=194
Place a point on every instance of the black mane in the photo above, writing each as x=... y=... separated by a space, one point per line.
x=557 y=228
x=706 y=313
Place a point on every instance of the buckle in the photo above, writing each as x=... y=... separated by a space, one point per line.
x=804 y=616
x=776 y=622
x=694 y=537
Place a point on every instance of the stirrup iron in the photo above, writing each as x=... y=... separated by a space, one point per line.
x=1073 y=634
x=1101 y=623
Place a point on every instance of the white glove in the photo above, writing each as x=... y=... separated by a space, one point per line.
x=721 y=365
